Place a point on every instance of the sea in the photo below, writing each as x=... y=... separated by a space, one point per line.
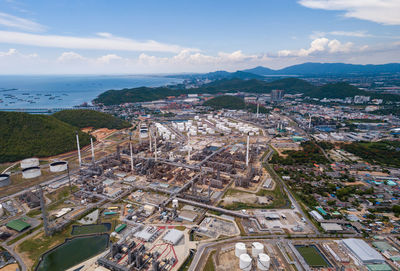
x=66 y=91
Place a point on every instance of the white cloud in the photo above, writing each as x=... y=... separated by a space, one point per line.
x=20 y=23
x=357 y=34
x=109 y=58
x=70 y=57
x=105 y=42
x=379 y=11
x=14 y=52
x=317 y=46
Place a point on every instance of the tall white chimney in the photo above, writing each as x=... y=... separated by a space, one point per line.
x=79 y=149
x=247 y=151
x=130 y=145
x=188 y=147
x=91 y=144
x=258 y=107
x=155 y=147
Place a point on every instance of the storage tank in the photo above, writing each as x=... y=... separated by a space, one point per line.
x=175 y=203
x=263 y=261
x=30 y=162
x=240 y=248
x=1 y=210
x=5 y=179
x=58 y=166
x=31 y=172
x=245 y=262
x=256 y=248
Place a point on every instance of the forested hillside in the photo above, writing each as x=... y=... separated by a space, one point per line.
x=23 y=135
x=89 y=118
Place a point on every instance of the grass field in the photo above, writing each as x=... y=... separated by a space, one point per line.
x=312 y=256
x=90 y=229
x=210 y=263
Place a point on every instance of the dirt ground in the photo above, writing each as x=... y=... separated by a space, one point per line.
x=10 y=267
x=103 y=133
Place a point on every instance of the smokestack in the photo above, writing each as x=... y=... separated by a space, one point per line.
x=258 y=106
x=188 y=147
x=150 y=140
x=130 y=145
x=155 y=147
x=44 y=214
x=79 y=149
x=91 y=143
x=247 y=151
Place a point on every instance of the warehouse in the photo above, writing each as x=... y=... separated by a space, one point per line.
x=173 y=237
x=331 y=227
x=363 y=252
x=18 y=225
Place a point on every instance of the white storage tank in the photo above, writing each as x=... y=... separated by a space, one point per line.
x=263 y=261
x=245 y=262
x=240 y=248
x=58 y=166
x=256 y=248
x=30 y=162
x=31 y=172
x=175 y=203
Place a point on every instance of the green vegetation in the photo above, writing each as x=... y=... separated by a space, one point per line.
x=233 y=102
x=186 y=264
x=90 y=229
x=309 y=155
x=290 y=85
x=227 y=102
x=312 y=257
x=23 y=135
x=82 y=118
x=383 y=152
x=210 y=263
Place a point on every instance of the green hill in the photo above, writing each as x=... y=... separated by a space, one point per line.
x=290 y=85
x=233 y=102
x=82 y=118
x=23 y=135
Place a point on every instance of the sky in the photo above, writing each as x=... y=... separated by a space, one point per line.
x=184 y=36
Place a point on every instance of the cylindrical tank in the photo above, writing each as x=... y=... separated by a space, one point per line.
x=30 y=162
x=4 y=180
x=175 y=203
x=58 y=166
x=256 y=248
x=1 y=210
x=240 y=248
x=31 y=172
x=245 y=262
x=263 y=261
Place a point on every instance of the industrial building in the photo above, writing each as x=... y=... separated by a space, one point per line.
x=363 y=252
x=18 y=225
x=173 y=237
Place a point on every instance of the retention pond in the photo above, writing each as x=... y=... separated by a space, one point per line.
x=72 y=252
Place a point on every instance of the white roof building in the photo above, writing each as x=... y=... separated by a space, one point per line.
x=330 y=227
x=363 y=252
x=173 y=237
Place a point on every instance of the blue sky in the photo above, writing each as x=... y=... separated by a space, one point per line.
x=102 y=36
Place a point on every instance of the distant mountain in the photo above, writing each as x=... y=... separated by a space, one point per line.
x=83 y=118
x=24 y=135
x=218 y=75
x=327 y=69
